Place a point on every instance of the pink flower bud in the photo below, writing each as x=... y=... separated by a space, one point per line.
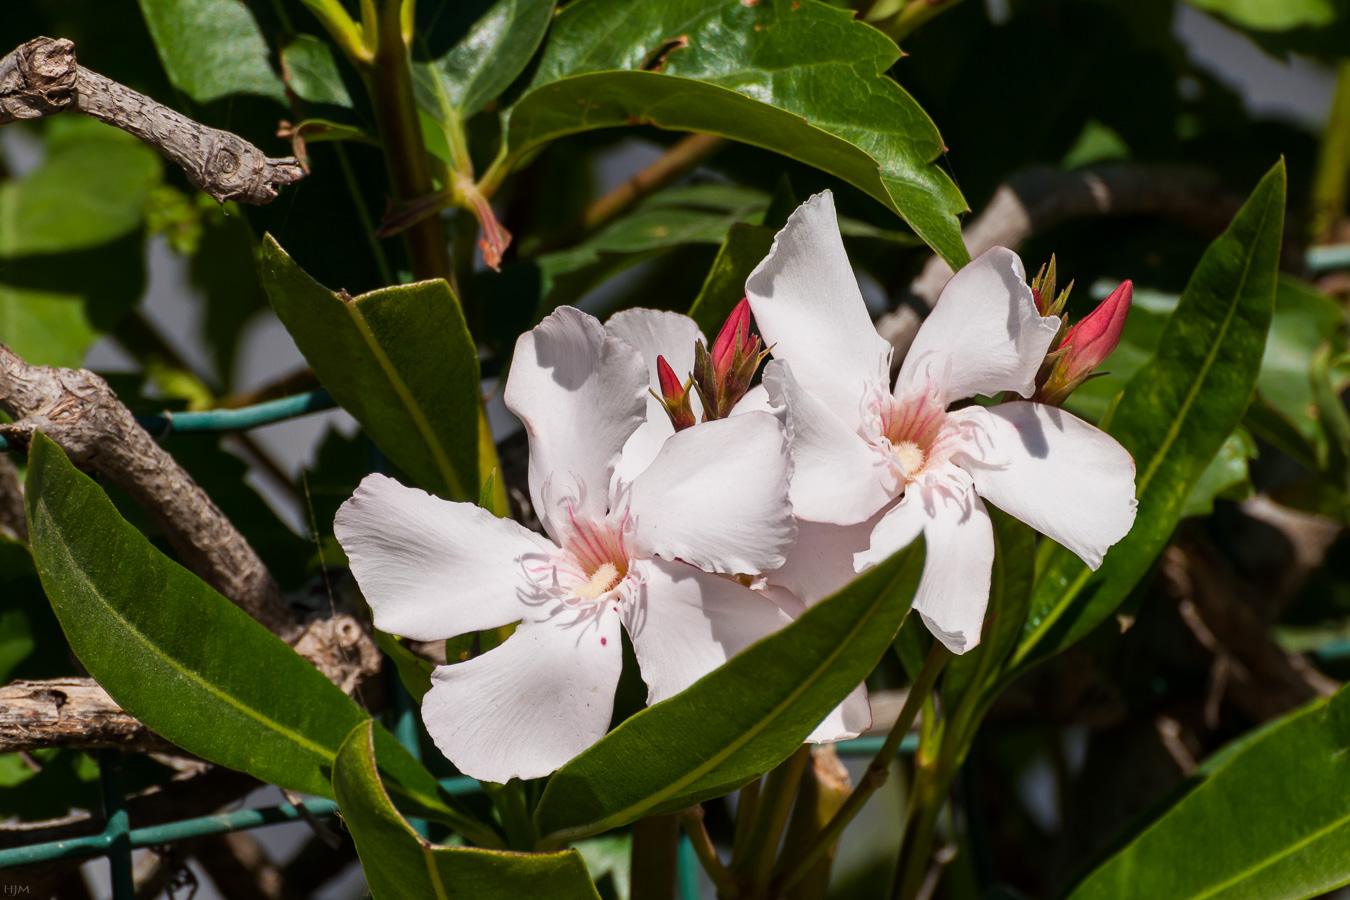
x=671 y=390
x=1091 y=341
x=735 y=334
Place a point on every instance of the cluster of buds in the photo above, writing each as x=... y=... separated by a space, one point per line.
x=1078 y=350
x=721 y=376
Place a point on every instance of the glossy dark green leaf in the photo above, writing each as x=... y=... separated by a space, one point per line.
x=184 y=660
x=399 y=864
x=493 y=53
x=1270 y=821
x=745 y=247
x=211 y=48
x=800 y=78
x=739 y=721
x=1173 y=416
x=90 y=189
x=312 y=72
x=399 y=359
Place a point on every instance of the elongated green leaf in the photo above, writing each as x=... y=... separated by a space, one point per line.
x=737 y=722
x=493 y=53
x=399 y=359
x=799 y=78
x=312 y=72
x=399 y=864
x=187 y=662
x=1270 y=821
x=211 y=48
x=745 y=247
x=1272 y=15
x=1225 y=476
x=1173 y=416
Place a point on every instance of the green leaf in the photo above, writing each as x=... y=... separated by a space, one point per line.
x=312 y=72
x=1272 y=15
x=1173 y=417
x=799 y=78
x=399 y=864
x=211 y=48
x=91 y=189
x=45 y=328
x=187 y=662
x=493 y=53
x=1270 y=821
x=745 y=247
x=1225 y=476
x=413 y=670
x=399 y=359
x=737 y=722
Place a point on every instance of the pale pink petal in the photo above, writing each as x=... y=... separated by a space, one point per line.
x=685 y=622
x=581 y=394
x=837 y=477
x=846 y=721
x=895 y=529
x=525 y=708
x=716 y=496
x=1068 y=480
x=821 y=562
x=654 y=333
x=808 y=309
x=431 y=569
x=984 y=336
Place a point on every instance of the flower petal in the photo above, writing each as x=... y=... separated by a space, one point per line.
x=685 y=622
x=809 y=310
x=755 y=400
x=429 y=568
x=1070 y=481
x=846 y=721
x=525 y=708
x=821 y=562
x=654 y=333
x=959 y=546
x=581 y=394
x=716 y=496
x=986 y=327
x=836 y=476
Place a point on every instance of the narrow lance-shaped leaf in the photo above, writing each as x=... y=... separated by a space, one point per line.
x=1173 y=416
x=737 y=722
x=399 y=359
x=1269 y=821
x=187 y=662
x=799 y=78
x=399 y=864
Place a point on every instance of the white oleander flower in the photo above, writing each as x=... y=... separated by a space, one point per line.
x=858 y=445
x=636 y=552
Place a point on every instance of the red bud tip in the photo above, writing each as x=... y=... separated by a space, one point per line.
x=734 y=334
x=671 y=389
x=1091 y=341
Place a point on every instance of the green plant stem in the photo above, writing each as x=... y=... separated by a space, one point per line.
x=655 y=857
x=692 y=820
x=344 y=31
x=753 y=865
x=509 y=801
x=747 y=804
x=363 y=213
x=1333 y=162
x=920 y=695
x=917 y=838
x=389 y=81
x=913 y=16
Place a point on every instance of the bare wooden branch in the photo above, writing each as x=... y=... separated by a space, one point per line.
x=42 y=78
x=77 y=409
x=12 y=522
x=68 y=712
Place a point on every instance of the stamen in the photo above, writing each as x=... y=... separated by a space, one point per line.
x=605 y=579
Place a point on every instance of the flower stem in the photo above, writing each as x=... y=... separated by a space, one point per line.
x=509 y=801
x=753 y=864
x=655 y=857
x=877 y=771
x=692 y=820
x=747 y=805
x=1330 y=177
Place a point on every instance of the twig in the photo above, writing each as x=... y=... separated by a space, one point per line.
x=12 y=522
x=78 y=410
x=41 y=78
x=68 y=712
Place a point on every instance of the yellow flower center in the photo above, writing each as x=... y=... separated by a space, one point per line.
x=603 y=580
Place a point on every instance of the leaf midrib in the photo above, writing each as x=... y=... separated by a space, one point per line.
x=746 y=736
x=410 y=403
x=1168 y=440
